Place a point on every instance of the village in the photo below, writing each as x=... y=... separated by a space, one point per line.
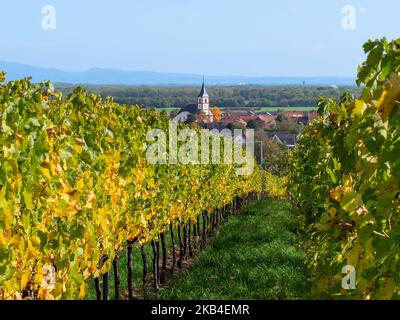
x=281 y=126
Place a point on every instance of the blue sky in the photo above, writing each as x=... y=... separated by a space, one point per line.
x=212 y=37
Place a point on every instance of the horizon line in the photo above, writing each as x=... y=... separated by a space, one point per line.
x=200 y=75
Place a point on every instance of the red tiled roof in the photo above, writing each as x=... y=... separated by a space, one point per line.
x=266 y=118
x=292 y=114
x=312 y=115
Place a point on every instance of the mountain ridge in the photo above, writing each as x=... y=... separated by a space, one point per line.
x=104 y=76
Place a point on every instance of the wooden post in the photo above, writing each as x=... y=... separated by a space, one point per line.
x=130 y=270
x=164 y=258
x=116 y=277
x=144 y=259
x=189 y=242
x=198 y=227
x=97 y=288
x=180 y=246
x=105 y=286
x=184 y=241
x=155 y=272
x=203 y=237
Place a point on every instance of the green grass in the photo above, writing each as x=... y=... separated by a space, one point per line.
x=166 y=109
x=302 y=108
x=286 y=108
x=273 y=109
x=254 y=256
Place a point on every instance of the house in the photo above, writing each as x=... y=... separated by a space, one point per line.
x=201 y=111
x=265 y=120
x=294 y=115
x=287 y=139
x=239 y=135
x=243 y=118
x=299 y=116
x=312 y=115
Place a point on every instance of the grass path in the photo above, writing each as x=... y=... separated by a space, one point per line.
x=254 y=256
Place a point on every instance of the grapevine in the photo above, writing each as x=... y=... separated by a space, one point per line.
x=75 y=187
x=345 y=182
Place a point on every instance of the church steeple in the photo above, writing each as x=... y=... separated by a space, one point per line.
x=203 y=99
x=203 y=113
x=203 y=92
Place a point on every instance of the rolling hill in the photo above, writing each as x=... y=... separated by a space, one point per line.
x=120 y=77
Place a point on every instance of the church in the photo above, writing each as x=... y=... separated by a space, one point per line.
x=201 y=110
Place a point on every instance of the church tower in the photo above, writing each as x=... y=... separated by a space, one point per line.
x=203 y=103
x=203 y=99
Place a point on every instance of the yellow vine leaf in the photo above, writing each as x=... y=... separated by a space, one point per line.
x=390 y=95
x=360 y=107
x=45 y=173
x=25 y=278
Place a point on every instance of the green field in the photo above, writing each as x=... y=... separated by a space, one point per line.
x=167 y=109
x=254 y=256
x=271 y=109
x=287 y=108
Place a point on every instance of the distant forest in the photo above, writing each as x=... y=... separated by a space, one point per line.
x=221 y=96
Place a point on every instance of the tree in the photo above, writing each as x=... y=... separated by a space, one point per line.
x=281 y=117
x=230 y=126
x=217 y=114
x=288 y=125
x=252 y=124
x=235 y=125
x=173 y=113
x=275 y=156
x=191 y=118
x=224 y=97
x=278 y=163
